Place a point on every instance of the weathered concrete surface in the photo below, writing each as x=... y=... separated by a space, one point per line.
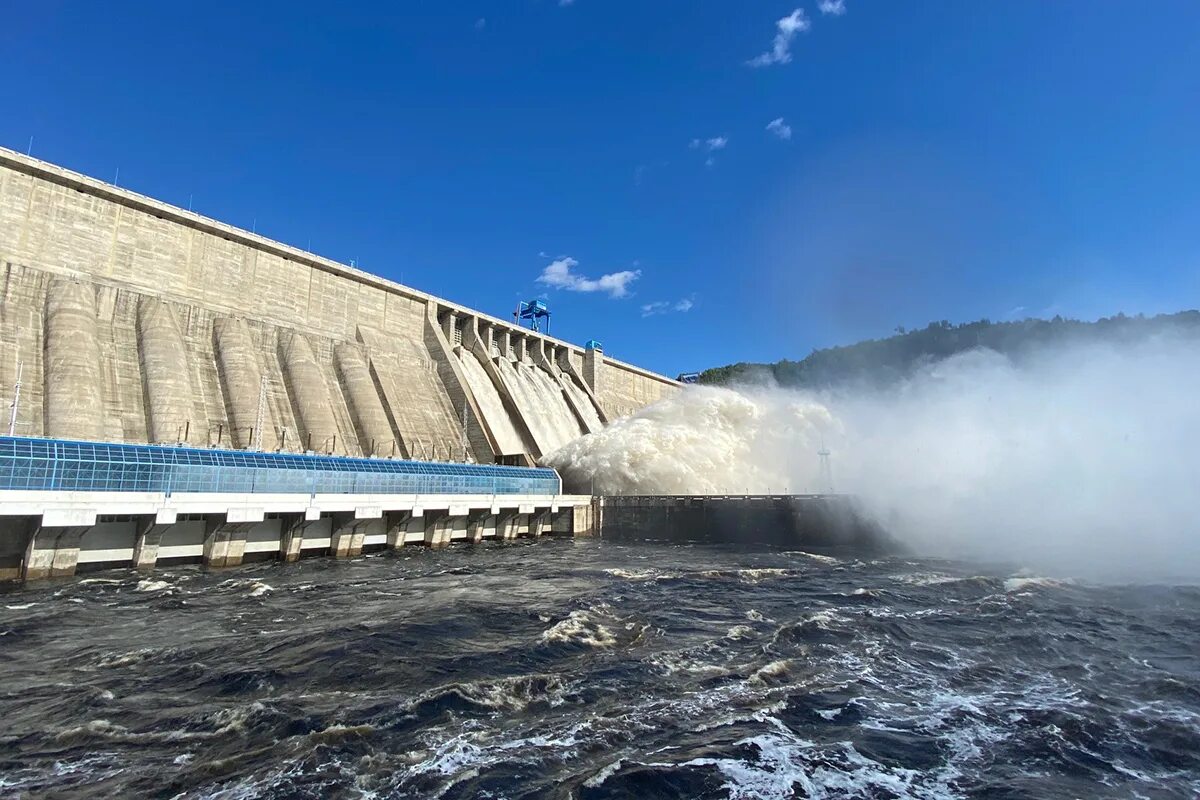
x=138 y=321
x=53 y=552
x=225 y=541
x=167 y=374
x=73 y=389
x=376 y=435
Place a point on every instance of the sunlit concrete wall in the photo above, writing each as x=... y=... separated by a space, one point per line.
x=137 y=321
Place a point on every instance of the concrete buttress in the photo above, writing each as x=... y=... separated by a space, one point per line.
x=370 y=417
x=309 y=392
x=166 y=375
x=74 y=391
x=241 y=378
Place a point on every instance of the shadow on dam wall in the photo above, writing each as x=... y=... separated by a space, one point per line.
x=813 y=523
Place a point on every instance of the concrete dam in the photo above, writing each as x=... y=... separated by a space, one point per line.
x=134 y=321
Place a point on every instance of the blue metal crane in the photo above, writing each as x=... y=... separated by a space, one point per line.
x=536 y=312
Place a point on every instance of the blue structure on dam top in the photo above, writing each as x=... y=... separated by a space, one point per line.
x=536 y=312
x=33 y=464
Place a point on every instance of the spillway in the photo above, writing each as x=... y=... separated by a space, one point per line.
x=491 y=405
x=542 y=405
x=591 y=419
x=562 y=419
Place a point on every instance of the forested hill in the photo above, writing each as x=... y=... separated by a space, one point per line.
x=883 y=361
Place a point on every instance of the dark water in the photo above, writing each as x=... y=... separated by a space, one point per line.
x=581 y=669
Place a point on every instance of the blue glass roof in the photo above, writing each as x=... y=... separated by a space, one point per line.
x=35 y=463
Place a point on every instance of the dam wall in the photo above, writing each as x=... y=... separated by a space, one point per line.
x=140 y=322
x=810 y=523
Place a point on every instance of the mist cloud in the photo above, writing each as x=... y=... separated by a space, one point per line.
x=1083 y=460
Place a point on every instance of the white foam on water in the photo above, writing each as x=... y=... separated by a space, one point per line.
x=632 y=574
x=581 y=627
x=1025 y=584
x=149 y=585
x=604 y=773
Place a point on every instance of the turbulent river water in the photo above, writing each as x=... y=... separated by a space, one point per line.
x=586 y=669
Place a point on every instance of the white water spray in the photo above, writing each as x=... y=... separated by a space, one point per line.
x=1083 y=459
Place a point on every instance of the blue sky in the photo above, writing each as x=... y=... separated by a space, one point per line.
x=934 y=160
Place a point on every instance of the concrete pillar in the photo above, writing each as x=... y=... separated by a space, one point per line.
x=539 y=523
x=292 y=528
x=593 y=366
x=518 y=348
x=506 y=525
x=475 y=527
x=449 y=321
x=150 y=532
x=348 y=531
x=503 y=339
x=225 y=542
x=52 y=552
x=14 y=541
x=398 y=524
x=438 y=527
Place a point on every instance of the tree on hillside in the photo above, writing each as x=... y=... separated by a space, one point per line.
x=884 y=361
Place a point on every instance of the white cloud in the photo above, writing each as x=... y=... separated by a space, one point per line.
x=657 y=307
x=666 y=306
x=715 y=143
x=781 y=47
x=708 y=162
x=835 y=7
x=566 y=3
x=780 y=128
x=559 y=275
x=480 y=24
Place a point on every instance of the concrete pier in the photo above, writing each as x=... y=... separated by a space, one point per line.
x=100 y=530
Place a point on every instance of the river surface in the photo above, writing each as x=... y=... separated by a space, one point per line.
x=584 y=669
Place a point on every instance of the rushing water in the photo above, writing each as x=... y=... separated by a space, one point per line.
x=491 y=405
x=586 y=669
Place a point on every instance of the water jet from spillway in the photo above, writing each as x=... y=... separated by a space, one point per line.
x=704 y=440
